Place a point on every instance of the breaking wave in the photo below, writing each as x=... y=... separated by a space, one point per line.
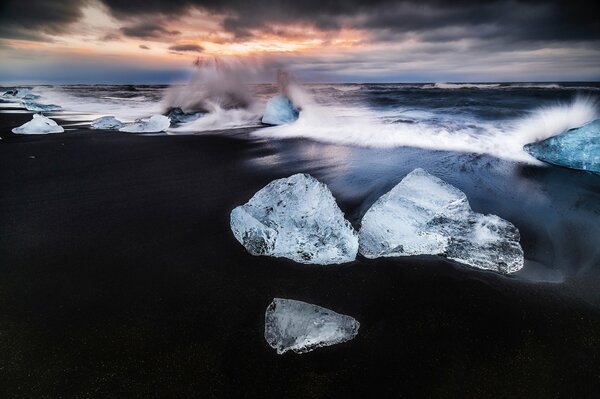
x=369 y=128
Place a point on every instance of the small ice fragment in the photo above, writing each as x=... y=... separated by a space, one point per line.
x=302 y=327
x=296 y=218
x=279 y=111
x=38 y=107
x=154 y=124
x=577 y=148
x=107 y=123
x=177 y=115
x=423 y=215
x=39 y=125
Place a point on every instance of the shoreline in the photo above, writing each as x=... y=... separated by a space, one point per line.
x=120 y=277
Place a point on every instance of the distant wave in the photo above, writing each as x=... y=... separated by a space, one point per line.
x=462 y=86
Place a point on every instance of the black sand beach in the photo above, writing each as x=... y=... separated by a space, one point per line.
x=120 y=277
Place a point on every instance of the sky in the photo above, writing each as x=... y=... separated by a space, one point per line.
x=156 y=41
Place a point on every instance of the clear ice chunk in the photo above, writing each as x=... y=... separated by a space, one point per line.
x=154 y=124
x=39 y=125
x=107 y=123
x=296 y=218
x=302 y=327
x=279 y=111
x=38 y=107
x=577 y=148
x=423 y=215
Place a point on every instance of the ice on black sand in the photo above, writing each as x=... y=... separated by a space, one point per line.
x=296 y=218
x=424 y=215
x=302 y=327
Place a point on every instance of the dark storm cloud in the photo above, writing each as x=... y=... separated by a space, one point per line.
x=524 y=20
x=146 y=30
x=186 y=47
x=434 y=20
x=30 y=19
x=144 y=47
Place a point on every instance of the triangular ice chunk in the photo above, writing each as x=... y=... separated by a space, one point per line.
x=302 y=327
x=577 y=148
x=39 y=125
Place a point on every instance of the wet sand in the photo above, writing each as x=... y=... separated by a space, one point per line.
x=119 y=277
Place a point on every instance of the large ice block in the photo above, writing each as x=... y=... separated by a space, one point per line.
x=577 y=148
x=296 y=218
x=423 y=215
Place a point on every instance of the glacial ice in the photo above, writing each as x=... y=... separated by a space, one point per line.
x=38 y=107
x=302 y=327
x=577 y=148
x=107 y=123
x=39 y=125
x=20 y=93
x=154 y=124
x=296 y=218
x=177 y=115
x=423 y=215
x=279 y=111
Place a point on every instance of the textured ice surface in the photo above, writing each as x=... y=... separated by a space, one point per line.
x=577 y=148
x=39 y=125
x=177 y=115
x=154 y=124
x=279 y=111
x=107 y=123
x=20 y=93
x=302 y=327
x=424 y=215
x=296 y=218
x=38 y=107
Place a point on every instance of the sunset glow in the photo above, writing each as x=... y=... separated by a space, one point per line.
x=335 y=44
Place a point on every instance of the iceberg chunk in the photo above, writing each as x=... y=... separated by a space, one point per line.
x=279 y=111
x=39 y=125
x=302 y=327
x=21 y=92
x=107 y=123
x=423 y=215
x=296 y=218
x=577 y=148
x=38 y=107
x=154 y=124
x=177 y=115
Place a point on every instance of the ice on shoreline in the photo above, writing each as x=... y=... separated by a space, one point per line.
x=279 y=111
x=296 y=218
x=423 y=215
x=39 y=125
x=302 y=327
x=154 y=124
x=20 y=94
x=577 y=148
x=177 y=115
x=107 y=123
x=38 y=107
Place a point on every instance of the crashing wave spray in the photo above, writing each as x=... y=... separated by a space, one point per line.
x=550 y=121
x=219 y=88
x=216 y=84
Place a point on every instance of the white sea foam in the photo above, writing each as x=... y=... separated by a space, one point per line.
x=504 y=139
x=126 y=109
x=220 y=119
